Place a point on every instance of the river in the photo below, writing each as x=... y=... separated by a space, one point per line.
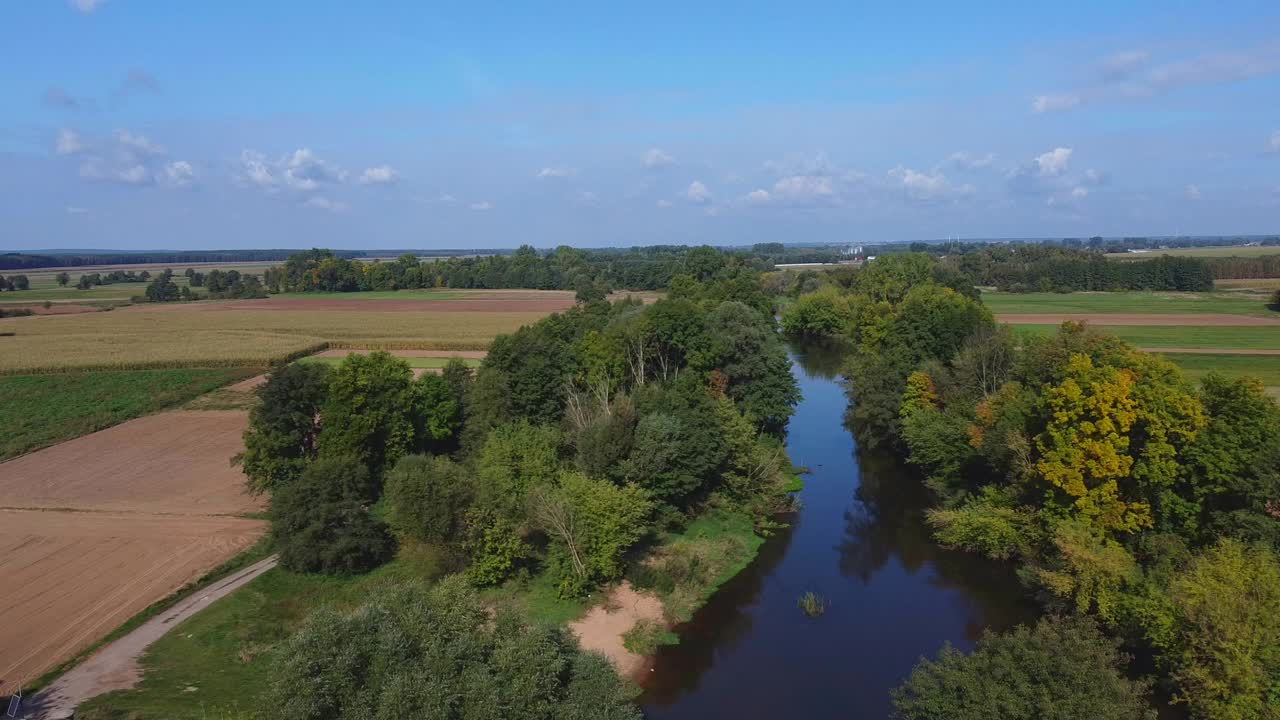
x=860 y=542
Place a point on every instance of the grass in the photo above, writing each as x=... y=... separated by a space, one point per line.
x=687 y=568
x=1175 y=336
x=191 y=336
x=538 y=600
x=646 y=637
x=1127 y=302
x=414 y=362
x=1223 y=251
x=1264 y=367
x=40 y=410
x=225 y=652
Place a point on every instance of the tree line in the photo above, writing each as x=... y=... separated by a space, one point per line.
x=14 y=282
x=1131 y=501
x=1051 y=268
x=575 y=443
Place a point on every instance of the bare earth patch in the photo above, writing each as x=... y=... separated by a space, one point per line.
x=172 y=462
x=1209 y=319
x=72 y=577
x=95 y=529
x=602 y=628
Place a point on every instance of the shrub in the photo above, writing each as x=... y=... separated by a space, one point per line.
x=812 y=604
x=646 y=637
x=413 y=652
x=1058 y=670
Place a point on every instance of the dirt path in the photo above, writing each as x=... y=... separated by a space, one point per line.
x=602 y=628
x=1189 y=319
x=115 y=666
x=1211 y=351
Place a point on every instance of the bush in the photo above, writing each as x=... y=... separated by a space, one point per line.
x=427 y=497
x=320 y=524
x=413 y=652
x=646 y=637
x=1058 y=670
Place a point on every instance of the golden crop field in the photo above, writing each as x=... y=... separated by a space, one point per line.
x=190 y=336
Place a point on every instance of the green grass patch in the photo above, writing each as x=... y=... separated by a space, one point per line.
x=414 y=362
x=1222 y=251
x=1264 y=367
x=646 y=637
x=686 y=568
x=1126 y=302
x=40 y=410
x=1180 y=336
x=537 y=599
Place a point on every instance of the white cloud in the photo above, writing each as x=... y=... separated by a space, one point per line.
x=481 y=206
x=1054 y=103
x=965 y=161
x=1193 y=193
x=1079 y=192
x=86 y=6
x=664 y=203
x=68 y=143
x=804 y=190
x=926 y=186
x=447 y=199
x=1096 y=178
x=320 y=202
x=179 y=174
x=759 y=196
x=656 y=158
x=301 y=171
x=379 y=175
x=137 y=147
x=1054 y=162
x=1273 y=145
x=698 y=193
x=132 y=175
x=555 y=173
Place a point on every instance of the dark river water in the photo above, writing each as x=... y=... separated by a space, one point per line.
x=859 y=541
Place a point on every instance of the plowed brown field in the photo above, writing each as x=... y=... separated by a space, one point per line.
x=95 y=529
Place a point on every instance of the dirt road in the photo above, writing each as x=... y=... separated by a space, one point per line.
x=115 y=666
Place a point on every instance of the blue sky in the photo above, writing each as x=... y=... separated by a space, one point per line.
x=146 y=124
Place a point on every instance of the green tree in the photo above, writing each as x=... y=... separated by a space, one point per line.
x=1058 y=670
x=162 y=289
x=487 y=404
x=63 y=278
x=414 y=652
x=438 y=412
x=368 y=411
x=319 y=522
x=746 y=349
x=822 y=314
x=1225 y=652
x=427 y=497
x=592 y=523
x=283 y=429
x=516 y=458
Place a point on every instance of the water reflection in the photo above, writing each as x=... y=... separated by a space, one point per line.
x=860 y=541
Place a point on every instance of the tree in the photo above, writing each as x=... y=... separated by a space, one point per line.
x=516 y=458
x=416 y=652
x=19 y=282
x=84 y=283
x=592 y=522
x=368 y=411
x=162 y=289
x=1058 y=670
x=283 y=428
x=487 y=404
x=748 y=352
x=822 y=314
x=1225 y=652
x=438 y=411
x=319 y=522
x=63 y=279
x=427 y=497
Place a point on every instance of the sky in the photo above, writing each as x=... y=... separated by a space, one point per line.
x=150 y=124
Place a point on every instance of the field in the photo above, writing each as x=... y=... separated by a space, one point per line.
x=39 y=410
x=1222 y=251
x=256 y=333
x=1264 y=367
x=98 y=528
x=1188 y=337
x=1260 y=284
x=430 y=363
x=1234 y=303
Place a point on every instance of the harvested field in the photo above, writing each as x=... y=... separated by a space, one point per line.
x=95 y=529
x=1218 y=320
x=502 y=301
x=242 y=334
x=173 y=462
x=71 y=578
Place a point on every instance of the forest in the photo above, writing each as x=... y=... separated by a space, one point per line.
x=1141 y=511
x=578 y=445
